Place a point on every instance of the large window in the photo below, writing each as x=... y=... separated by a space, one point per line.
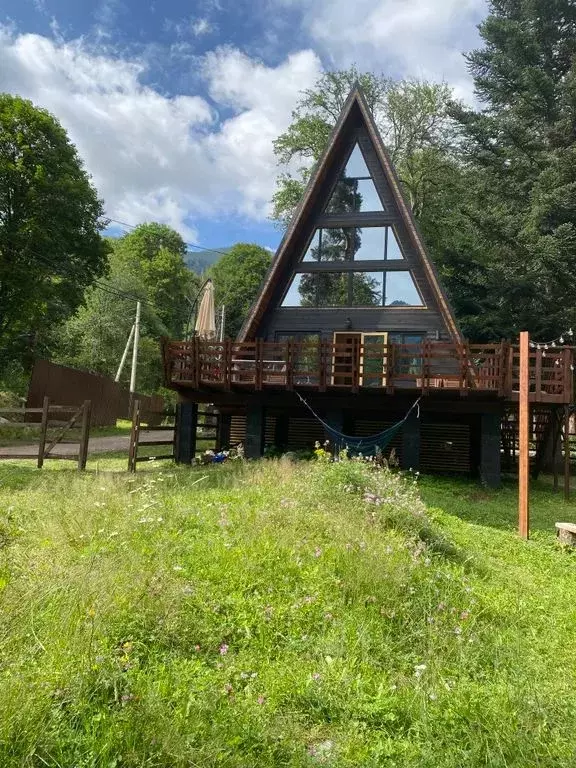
x=353 y=289
x=355 y=190
x=354 y=244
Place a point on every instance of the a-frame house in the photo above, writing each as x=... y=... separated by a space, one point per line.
x=353 y=317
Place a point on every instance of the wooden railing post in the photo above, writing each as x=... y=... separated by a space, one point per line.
x=43 y=431
x=195 y=355
x=568 y=377
x=323 y=363
x=538 y=375
x=289 y=364
x=503 y=369
x=227 y=363
x=355 y=365
x=84 y=435
x=426 y=366
x=134 y=437
x=259 y=364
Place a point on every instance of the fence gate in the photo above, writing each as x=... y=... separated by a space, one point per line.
x=136 y=442
x=80 y=419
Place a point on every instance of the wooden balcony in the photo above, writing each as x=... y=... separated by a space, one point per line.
x=487 y=369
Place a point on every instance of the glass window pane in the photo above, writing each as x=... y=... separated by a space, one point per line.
x=356 y=166
x=337 y=244
x=367 y=289
x=344 y=198
x=401 y=290
x=393 y=247
x=300 y=293
x=332 y=289
x=369 y=244
x=313 y=252
x=367 y=198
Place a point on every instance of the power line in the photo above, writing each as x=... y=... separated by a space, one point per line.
x=190 y=245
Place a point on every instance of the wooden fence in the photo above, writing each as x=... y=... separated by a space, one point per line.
x=80 y=418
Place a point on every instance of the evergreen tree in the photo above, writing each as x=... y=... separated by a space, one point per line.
x=522 y=145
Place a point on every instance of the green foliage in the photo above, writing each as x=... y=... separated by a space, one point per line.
x=276 y=614
x=50 y=222
x=146 y=264
x=154 y=254
x=521 y=144
x=237 y=278
x=411 y=115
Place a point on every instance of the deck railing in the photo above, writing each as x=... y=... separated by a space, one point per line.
x=354 y=366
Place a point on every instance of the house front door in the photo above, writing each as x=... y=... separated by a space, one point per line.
x=346 y=358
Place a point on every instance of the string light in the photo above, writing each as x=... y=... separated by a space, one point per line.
x=544 y=346
x=559 y=340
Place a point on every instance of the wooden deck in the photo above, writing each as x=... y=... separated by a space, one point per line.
x=484 y=369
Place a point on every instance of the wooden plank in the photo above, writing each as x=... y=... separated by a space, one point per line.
x=524 y=437
x=566 y=453
x=85 y=435
x=141 y=443
x=43 y=430
x=155 y=458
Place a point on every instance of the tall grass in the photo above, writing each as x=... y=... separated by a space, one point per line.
x=274 y=614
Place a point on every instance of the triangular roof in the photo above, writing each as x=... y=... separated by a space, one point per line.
x=355 y=105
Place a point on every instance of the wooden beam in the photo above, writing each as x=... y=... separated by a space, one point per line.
x=85 y=435
x=523 y=447
x=43 y=431
x=567 y=453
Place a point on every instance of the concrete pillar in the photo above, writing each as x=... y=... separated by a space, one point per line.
x=255 y=423
x=185 y=432
x=411 y=442
x=490 y=438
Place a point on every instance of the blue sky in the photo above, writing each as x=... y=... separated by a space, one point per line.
x=174 y=104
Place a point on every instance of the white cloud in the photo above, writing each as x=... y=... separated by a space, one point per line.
x=419 y=38
x=201 y=27
x=155 y=157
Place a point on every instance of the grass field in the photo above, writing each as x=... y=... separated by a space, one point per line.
x=275 y=614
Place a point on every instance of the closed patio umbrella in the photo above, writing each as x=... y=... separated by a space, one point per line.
x=206 y=319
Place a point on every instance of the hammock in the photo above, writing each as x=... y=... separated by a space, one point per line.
x=365 y=445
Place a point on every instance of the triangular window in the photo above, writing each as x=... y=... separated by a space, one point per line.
x=393 y=252
x=401 y=290
x=355 y=190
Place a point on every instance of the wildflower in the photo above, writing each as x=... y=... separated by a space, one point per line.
x=457 y=630
x=441 y=606
x=393 y=687
x=419 y=669
x=317 y=552
x=261 y=700
x=315 y=675
x=196 y=648
x=433 y=697
x=328 y=616
x=223 y=649
x=177 y=568
x=464 y=615
x=228 y=689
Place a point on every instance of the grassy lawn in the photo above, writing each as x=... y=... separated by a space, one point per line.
x=273 y=614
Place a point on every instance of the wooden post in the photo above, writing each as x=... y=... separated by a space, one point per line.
x=566 y=453
x=134 y=435
x=185 y=433
x=523 y=442
x=43 y=431
x=84 y=435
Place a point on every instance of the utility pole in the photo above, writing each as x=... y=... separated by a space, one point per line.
x=222 y=320
x=124 y=355
x=135 y=355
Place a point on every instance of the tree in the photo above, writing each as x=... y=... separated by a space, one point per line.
x=95 y=337
x=412 y=117
x=154 y=254
x=237 y=277
x=522 y=145
x=50 y=223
